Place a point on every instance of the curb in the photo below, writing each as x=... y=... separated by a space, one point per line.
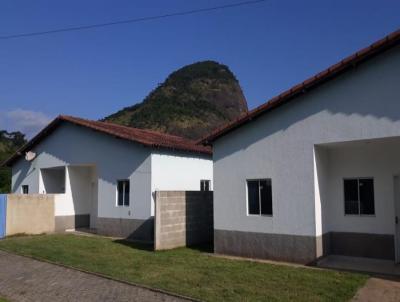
x=315 y=266
x=157 y=290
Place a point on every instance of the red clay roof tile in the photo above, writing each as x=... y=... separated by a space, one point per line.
x=148 y=138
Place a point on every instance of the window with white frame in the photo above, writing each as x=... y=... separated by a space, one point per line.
x=205 y=185
x=359 y=196
x=259 y=197
x=123 y=193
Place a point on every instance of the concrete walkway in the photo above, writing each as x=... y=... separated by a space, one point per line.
x=378 y=289
x=25 y=279
x=367 y=265
x=384 y=286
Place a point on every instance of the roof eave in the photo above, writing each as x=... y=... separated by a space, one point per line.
x=50 y=127
x=333 y=71
x=36 y=139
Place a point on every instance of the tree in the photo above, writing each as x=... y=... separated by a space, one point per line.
x=9 y=143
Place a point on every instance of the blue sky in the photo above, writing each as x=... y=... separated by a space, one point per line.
x=269 y=46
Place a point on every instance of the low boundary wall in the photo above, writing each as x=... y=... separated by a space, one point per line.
x=183 y=218
x=29 y=214
x=3 y=212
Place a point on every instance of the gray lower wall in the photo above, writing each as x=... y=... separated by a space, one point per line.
x=292 y=248
x=63 y=223
x=279 y=145
x=183 y=218
x=303 y=249
x=134 y=229
x=359 y=245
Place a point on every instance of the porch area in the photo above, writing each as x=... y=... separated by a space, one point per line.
x=75 y=191
x=357 y=204
x=65 y=198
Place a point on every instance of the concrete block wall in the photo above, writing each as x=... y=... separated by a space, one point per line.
x=183 y=218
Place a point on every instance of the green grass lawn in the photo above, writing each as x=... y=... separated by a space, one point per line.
x=188 y=271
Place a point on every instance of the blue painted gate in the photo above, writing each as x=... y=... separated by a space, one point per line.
x=3 y=212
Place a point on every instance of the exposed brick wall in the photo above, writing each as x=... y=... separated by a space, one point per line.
x=183 y=218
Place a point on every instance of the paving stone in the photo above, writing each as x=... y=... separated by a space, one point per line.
x=25 y=280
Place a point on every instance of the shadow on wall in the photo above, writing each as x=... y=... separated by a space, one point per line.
x=23 y=173
x=143 y=231
x=80 y=185
x=129 y=229
x=54 y=180
x=199 y=220
x=183 y=218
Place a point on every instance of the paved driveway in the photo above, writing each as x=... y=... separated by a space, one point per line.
x=24 y=279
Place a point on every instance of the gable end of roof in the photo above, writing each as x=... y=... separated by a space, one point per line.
x=148 y=138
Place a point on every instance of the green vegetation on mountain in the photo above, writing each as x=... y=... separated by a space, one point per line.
x=192 y=102
x=9 y=143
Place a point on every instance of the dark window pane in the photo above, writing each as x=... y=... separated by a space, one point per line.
x=120 y=194
x=351 y=196
x=126 y=201
x=351 y=208
x=25 y=189
x=204 y=185
x=367 y=197
x=351 y=189
x=253 y=197
x=266 y=197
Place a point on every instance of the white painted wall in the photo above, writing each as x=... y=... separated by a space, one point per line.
x=94 y=197
x=179 y=171
x=113 y=158
x=81 y=150
x=63 y=205
x=361 y=104
x=77 y=198
x=79 y=188
x=379 y=159
x=320 y=189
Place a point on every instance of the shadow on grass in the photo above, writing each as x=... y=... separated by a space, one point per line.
x=203 y=248
x=136 y=245
x=24 y=235
x=149 y=247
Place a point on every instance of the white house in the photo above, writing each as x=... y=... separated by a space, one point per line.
x=105 y=175
x=315 y=170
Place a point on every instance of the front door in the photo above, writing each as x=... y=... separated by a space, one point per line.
x=397 y=216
